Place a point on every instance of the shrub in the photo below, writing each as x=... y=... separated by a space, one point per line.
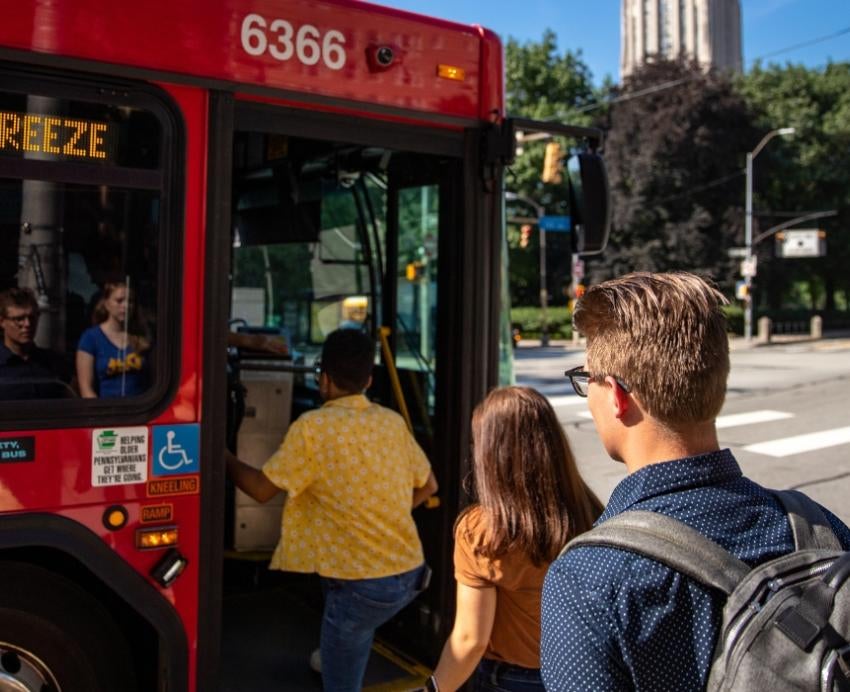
x=529 y=322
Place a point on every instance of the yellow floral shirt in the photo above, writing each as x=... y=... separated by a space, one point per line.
x=349 y=470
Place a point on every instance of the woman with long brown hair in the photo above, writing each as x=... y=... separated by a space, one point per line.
x=531 y=501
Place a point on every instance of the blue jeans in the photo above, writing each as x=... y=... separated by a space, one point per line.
x=495 y=676
x=354 y=609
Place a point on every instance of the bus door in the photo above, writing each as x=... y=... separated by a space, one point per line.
x=424 y=218
x=335 y=223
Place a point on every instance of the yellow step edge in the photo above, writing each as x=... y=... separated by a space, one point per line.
x=417 y=673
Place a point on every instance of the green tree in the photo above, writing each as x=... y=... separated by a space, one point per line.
x=545 y=84
x=541 y=82
x=675 y=154
x=807 y=172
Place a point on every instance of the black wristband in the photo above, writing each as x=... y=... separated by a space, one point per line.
x=431 y=684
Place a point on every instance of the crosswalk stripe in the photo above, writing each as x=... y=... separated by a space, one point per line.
x=751 y=417
x=573 y=400
x=787 y=446
x=549 y=390
x=776 y=448
x=734 y=419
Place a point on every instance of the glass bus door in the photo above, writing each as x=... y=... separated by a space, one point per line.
x=328 y=233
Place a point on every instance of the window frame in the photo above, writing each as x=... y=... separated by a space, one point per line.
x=168 y=180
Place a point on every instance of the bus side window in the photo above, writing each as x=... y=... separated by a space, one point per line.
x=75 y=221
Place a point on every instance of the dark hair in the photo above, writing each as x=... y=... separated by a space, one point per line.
x=531 y=495
x=348 y=356
x=20 y=297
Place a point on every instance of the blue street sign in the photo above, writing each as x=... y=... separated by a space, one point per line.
x=556 y=224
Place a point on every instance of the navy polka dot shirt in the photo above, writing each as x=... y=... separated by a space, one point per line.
x=613 y=620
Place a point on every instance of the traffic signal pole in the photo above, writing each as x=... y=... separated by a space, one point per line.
x=553 y=165
x=748 y=244
x=544 y=294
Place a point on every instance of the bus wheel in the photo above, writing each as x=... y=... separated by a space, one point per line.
x=54 y=637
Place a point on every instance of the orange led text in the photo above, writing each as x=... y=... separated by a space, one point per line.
x=49 y=134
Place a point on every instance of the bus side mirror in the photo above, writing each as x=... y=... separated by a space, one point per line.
x=590 y=203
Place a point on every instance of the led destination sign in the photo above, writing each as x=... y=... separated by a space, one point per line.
x=53 y=135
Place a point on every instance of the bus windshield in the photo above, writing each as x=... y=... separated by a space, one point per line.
x=310 y=252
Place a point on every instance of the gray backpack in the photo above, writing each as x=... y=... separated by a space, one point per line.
x=786 y=623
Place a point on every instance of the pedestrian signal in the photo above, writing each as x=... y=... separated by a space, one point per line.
x=553 y=163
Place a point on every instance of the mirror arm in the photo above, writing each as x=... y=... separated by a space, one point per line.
x=594 y=135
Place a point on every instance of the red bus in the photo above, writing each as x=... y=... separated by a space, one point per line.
x=269 y=167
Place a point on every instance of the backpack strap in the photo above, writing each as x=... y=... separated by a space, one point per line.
x=669 y=542
x=810 y=527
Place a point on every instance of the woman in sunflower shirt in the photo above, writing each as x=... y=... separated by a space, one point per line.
x=111 y=360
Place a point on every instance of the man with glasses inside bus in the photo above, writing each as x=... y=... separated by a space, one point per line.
x=352 y=473
x=27 y=371
x=655 y=375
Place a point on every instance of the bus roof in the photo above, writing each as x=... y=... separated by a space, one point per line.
x=341 y=50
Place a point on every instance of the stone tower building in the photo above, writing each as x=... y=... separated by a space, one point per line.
x=706 y=30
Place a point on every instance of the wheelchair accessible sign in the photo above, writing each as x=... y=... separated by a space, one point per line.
x=176 y=449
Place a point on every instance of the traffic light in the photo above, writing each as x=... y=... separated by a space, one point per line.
x=553 y=163
x=414 y=271
x=525 y=235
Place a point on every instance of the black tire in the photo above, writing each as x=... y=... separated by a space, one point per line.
x=56 y=636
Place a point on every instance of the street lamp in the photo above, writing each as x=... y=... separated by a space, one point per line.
x=748 y=228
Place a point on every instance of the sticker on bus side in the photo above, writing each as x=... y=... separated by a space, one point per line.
x=151 y=514
x=176 y=449
x=119 y=456
x=17 y=449
x=176 y=485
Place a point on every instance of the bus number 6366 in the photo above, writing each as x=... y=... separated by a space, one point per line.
x=280 y=39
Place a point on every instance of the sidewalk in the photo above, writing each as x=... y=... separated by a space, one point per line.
x=554 y=343
x=831 y=340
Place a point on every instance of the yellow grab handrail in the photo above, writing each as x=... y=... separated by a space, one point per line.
x=383 y=333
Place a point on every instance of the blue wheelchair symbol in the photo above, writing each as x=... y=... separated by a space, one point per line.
x=175 y=449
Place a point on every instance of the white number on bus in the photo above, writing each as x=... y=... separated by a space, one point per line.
x=280 y=39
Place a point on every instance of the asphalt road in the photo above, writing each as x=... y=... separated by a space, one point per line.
x=786 y=417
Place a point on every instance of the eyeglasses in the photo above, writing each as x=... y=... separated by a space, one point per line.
x=30 y=317
x=581 y=379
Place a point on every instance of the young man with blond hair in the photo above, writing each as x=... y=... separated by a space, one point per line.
x=655 y=375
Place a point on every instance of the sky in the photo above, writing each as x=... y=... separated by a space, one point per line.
x=593 y=27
